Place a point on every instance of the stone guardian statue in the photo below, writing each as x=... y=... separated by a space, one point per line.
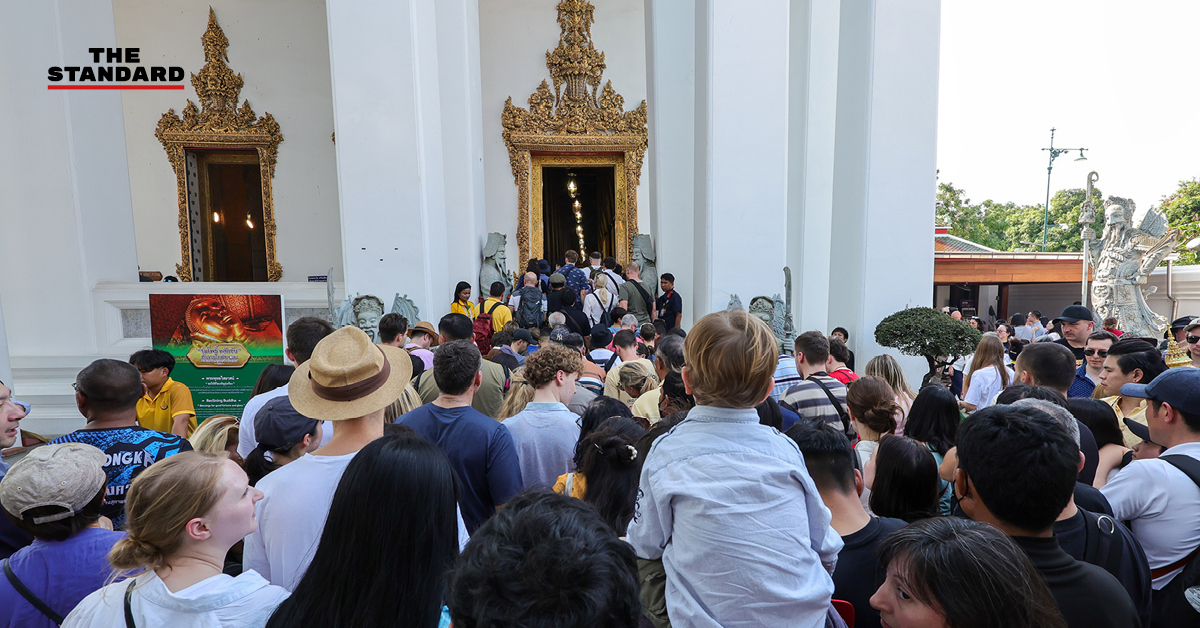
x=494 y=267
x=643 y=254
x=1133 y=243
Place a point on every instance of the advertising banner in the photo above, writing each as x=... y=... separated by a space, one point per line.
x=221 y=343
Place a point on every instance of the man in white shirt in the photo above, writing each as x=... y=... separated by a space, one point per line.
x=610 y=269
x=302 y=336
x=349 y=381
x=1160 y=497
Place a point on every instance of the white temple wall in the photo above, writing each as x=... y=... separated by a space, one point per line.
x=281 y=49
x=514 y=37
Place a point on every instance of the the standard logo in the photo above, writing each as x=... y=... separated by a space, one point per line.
x=115 y=76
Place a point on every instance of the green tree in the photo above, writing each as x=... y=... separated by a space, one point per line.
x=928 y=333
x=1183 y=213
x=984 y=223
x=1062 y=235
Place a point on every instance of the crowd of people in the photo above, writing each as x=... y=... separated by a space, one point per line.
x=568 y=456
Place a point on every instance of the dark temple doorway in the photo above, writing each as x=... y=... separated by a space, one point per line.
x=595 y=191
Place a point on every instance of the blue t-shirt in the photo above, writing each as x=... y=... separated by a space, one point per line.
x=129 y=451
x=59 y=573
x=481 y=452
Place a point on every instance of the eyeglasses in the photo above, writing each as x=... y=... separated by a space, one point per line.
x=1091 y=352
x=1192 y=339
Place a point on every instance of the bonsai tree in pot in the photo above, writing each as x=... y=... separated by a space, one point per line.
x=928 y=333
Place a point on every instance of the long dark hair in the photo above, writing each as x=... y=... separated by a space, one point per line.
x=1100 y=418
x=972 y=573
x=609 y=463
x=906 y=484
x=598 y=411
x=390 y=537
x=462 y=285
x=272 y=376
x=934 y=418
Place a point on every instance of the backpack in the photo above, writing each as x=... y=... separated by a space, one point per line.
x=529 y=309
x=605 y=314
x=483 y=330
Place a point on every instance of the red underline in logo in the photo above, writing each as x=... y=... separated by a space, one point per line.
x=114 y=87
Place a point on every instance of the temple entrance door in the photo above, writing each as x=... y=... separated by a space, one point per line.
x=585 y=213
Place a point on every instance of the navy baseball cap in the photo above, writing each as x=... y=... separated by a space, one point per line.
x=279 y=426
x=1075 y=313
x=1141 y=430
x=1179 y=387
x=523 y=334
x=558 y=335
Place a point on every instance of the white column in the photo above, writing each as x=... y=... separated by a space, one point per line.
x=5 y=363
x=812 y=80
x=670 y=159
x=65 y=206
x=741 y=149
x=884 y=171
x=406 y=115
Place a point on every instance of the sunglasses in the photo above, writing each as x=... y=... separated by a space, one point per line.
x=1091 y=352
x=1192 y=339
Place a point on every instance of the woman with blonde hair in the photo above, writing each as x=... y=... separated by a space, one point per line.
x=182 y=516
x=600 y=301
x=409 y=400
x=888 y=369
x=218 y=433
x=987 y=376
x=637 y=379
x=519 y=394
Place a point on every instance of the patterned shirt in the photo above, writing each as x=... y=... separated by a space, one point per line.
x=129 y=451
x=1082 y=386
x=577 y=280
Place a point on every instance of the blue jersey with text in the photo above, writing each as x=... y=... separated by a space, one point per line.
x=128 y=452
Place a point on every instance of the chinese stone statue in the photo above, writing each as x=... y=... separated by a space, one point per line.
x=643 y=254
x=773 y=311
x=494 y=266
x=405 y=307
x=362 y=311
x=1133 y=243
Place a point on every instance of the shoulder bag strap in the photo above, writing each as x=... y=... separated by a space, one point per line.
x=29 y=596
x=129 y=604
x=836 y=404
x=1189 y=465
x=494 y=306
x=645 y=295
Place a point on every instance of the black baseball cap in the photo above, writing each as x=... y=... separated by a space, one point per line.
x=1141 y=430
x=279 y=426
x=523 y=334
x=1182 y=322
x=1075 y=313
x=1179 y=387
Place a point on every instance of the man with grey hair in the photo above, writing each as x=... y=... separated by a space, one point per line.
x=556 y=320
x=668 y=358
x=637 y=296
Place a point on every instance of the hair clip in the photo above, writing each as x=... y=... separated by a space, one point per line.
x=632 y=452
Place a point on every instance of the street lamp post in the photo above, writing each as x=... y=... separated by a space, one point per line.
x=1054 y=153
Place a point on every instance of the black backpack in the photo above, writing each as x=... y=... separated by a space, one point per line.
x=529 y=309
x=605 y=314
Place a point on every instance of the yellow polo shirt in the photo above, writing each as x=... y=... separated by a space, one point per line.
x=500 y=316
x=173 y=400
x=1138 y=416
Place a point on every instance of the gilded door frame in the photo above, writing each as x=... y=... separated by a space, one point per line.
x=621 y=232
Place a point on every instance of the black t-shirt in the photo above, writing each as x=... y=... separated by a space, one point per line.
x=1113 y=549
x=1091 y=499
x=552 y=303
x=1078 y=351
x=669 y=304
x=1091 y=455
x=577 y=321
x=858 y=574
x=1087 y=596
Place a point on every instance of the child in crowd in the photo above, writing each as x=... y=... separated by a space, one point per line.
x=727 y=503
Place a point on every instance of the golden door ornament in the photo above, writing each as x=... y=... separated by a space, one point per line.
x=220 y=124
x=577 y=127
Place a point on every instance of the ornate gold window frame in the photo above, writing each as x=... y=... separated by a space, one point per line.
x=574 y=126
x=218 y=124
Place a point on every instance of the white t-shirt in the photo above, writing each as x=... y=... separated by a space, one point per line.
x=220 y=601
x=985 y=385
x=246 y=440
x=593 y=308
x=291 y=516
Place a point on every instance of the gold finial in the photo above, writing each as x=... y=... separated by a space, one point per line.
x=1176 y=356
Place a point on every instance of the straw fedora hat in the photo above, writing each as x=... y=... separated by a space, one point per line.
x=348 y=376
x=427 y=327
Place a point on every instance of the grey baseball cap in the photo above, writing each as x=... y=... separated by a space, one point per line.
x=67 y=475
